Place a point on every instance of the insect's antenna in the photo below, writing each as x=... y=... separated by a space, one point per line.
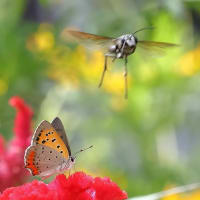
x=82 y=150
x=146 y=28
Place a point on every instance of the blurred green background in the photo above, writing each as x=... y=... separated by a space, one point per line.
x=146 y=143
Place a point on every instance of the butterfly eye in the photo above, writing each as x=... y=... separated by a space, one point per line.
x=72 y=159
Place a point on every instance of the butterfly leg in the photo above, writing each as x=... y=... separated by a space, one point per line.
x=126 y=78
x=103 y=73
x=45 y=177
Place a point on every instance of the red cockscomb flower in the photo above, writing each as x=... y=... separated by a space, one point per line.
x=78 y=186
x=12 y=170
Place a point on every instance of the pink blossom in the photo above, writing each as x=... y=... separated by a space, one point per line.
x=12 y=170
x=78 y=186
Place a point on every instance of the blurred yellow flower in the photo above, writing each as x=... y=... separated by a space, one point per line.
x=64 y=65
x=193 y=196
x=94 y=67
x=172 y=197
x=114 y=83
x=189 y=64
x=184 y=196
x=72 y=66
x=42 y=40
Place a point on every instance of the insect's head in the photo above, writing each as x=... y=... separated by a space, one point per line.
x=130 y=39
x=72 y=158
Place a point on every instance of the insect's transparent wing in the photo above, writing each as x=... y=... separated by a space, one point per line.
x=87 y=39
x=155 y=48
x=85 y=36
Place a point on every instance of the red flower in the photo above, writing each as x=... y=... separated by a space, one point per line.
x=78 y=186
x=22 y=126
x=12 y=170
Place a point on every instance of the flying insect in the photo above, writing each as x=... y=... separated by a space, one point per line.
x=117 y=48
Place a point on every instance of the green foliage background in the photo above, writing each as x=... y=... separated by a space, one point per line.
x=145 y=143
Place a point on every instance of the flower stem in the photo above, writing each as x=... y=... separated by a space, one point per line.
x=176 y=190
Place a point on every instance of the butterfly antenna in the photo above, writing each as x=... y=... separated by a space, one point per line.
x=82 y=150
x=146 y=28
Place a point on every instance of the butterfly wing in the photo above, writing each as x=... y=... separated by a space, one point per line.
x=58 y=126
x=46 y=144
x=42 y=160
x=155 y=47
x=46 y=135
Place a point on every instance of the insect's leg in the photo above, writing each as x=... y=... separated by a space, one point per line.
x=45 y=177
x=122 y=49
x=103 y=73
x=126 y=78
x=114 y=58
